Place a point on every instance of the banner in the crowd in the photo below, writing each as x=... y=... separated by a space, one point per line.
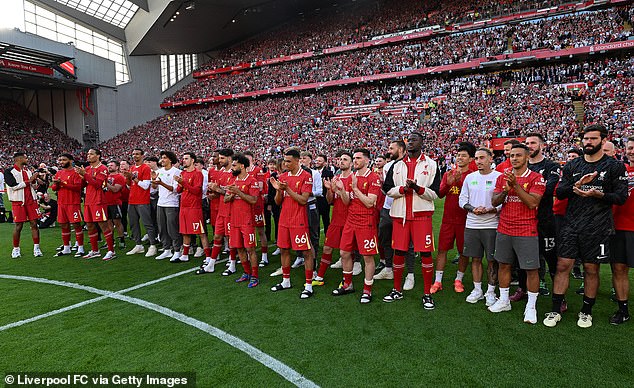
x=25 y=67
x=497 y=143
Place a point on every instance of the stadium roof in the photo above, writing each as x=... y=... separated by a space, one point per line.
x=26 y=55
x=115 y=12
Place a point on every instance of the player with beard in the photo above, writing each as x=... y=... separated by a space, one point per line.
x=167 y=206
x=593 y=184
x=519 y=192
x=214 y=198
x=413 y=182
x=360 y=230
x=68 y=184
x=95 y=208
x=258 y=209
x=242 y=193
x=454 y=218
x=622 y=243
x=114 y=185
x=293 y=188
x=546 y=224
x=190 y=220
x=218 y=184
x=335 y=195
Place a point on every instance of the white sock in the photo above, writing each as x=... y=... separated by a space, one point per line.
x=232 y=265
x=36 y=246
x=491 y=289
x=504 y=294
x=265 y=257
x=80 y=249
x=532 y=299
x=477 y=286
x=308 y=287
x=286 y=282
x=459 y=275
x=66 y=249
x=439 y=276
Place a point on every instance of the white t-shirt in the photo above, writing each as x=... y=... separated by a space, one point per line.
x=168 y=198
x=205 y=182
x=477 y=190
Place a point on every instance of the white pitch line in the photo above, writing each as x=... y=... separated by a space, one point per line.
x=272 y=363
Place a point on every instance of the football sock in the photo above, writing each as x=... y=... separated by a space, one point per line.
x=66 y=237
x=185 y=249
x=623 y=306
x=532 y=299
x=439 y=276
x=490 y=288
x=477 y=285
x=397 y=268
x=587 y=305
x=428 y=270
x=459 y=275
x=254 y=270
x=504 y=294
x=79 y=235
x=557 y=301
x=326 y=259
x=347 y=279
x=367 y=286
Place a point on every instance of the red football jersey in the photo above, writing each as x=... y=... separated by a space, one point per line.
x=69 y=188
x=358 y=213
x=340 y=209
x=95 y=178
x=139 y=196
x=624 y=215
x=115 y=198
x=241 y=210
x=504 y=165
x=191 y=189
x=516 y=219
x=453 y=213
x=260 y=179
x=293 y=214
x=221 y=178
x=215 y=201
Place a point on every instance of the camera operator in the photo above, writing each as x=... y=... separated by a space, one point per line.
x=48 y=211
x=44 y=178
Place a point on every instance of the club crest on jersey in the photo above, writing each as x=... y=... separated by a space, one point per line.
x=525 y=186
x=602 y=175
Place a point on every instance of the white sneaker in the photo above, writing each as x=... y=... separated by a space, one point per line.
x=80 y=253
x=409 y=282
x=175 y=256
x=179 y=259
x=491 y=298
x=585 y=320
x=298 y=262
x=278 y=272
x=166 y=253
x=145 y=238
x=210 y=267
x=475 y=296
x=91 y=255
x=356 y=268
x=151 y=251
x=551 y=319
x=109 y=256
x=500 y=305
x=200 y=252
x=37 y=252
x=136 y=250
x=276 y=252
x=385 y=274
x=530 y=315
x=15 y=253
x=338 y=264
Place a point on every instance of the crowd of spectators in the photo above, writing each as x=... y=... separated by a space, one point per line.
x=21 y=130
x=477 y=108
x=575 y=30
x=361 y=21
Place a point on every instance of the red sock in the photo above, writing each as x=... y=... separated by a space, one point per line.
x=254 y=270
x=233 y=252
x=398 y=266
x=66 y=236
x=94 y=243
x=326 y=259
x=265 y=249
x=109 y=240
x=16 y=242
x=286 y=272
x=347 y=279
x=79 y=235
x=246 y=266
x=309 y=276
x=367 y=286
x=185 y=250
x=215 y=251
x=207 y=252
x=428 y=273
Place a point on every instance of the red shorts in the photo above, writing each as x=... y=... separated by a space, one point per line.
x=95 y=213
x=69 y=214
x=293 y=238
x=258 y=219
x=448 y=234
x=213 y=216
x=221 y=226
x=191 y=221
x=417 y=231
x=242 y=236
x=355 y=238
x=24 y=213
x=333 y=236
